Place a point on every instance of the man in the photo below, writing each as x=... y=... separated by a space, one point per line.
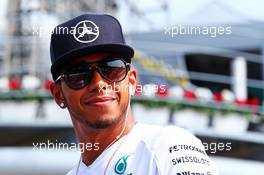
x=92 y=79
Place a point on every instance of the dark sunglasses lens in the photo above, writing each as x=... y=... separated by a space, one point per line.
x=113 y=71
x=78 y=77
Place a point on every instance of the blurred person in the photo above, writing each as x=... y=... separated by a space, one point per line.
x=94 y=80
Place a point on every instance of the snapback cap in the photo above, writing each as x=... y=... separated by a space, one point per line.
x=86 y=34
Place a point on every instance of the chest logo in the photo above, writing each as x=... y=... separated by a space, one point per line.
x=121 y=165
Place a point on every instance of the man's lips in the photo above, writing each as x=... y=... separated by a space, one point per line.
x=100 y=101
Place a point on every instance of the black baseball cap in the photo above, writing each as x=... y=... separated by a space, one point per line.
x=86 y=34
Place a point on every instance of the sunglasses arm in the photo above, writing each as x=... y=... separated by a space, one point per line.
x=128 y=65
x=59 y=78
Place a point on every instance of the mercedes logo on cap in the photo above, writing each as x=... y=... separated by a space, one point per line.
x=86 y=31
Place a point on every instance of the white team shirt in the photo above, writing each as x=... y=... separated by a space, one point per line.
x=152 y=150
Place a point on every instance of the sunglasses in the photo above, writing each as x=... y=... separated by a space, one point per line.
x=79 y=76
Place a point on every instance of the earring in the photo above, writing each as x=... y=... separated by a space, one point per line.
x=62 y=105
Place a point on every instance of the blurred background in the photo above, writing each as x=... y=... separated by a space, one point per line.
x=202 y=59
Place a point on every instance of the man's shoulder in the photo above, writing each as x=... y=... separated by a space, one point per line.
x=156 y=136
x=177 y=149
x=174 y=134
x=173 y=140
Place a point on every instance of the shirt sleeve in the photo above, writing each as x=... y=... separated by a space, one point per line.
x=178 y=152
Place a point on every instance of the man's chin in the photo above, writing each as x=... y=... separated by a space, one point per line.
x=100 y=124
x=103 y=124
x=104 y=119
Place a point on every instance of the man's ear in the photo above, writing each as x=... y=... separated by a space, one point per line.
x=56 y=92
x=132 y=76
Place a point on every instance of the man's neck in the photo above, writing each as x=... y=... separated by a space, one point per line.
x=102 y=138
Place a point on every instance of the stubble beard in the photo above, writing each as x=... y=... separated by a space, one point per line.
x=110 y=121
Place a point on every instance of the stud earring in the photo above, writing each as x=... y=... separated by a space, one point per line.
x=62 y=105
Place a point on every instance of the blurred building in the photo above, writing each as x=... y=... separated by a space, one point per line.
x=26 y=35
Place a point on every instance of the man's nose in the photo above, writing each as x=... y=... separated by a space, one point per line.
x=97 y=83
